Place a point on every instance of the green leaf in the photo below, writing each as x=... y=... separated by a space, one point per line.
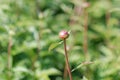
x=84 y=78
x=114 y=9
x=54 y=45
x=80 y=65
x=47 y=72
x=53 y=71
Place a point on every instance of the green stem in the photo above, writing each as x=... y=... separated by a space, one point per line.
x=9 y=58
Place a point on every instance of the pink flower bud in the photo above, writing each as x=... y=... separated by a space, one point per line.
x=85 y=4
x=63 y=34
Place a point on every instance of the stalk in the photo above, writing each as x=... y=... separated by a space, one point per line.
x=85 y=44
x=66 y=60
x=35 y=58
x=65 y=72
x=9 y=58
x=108 y=29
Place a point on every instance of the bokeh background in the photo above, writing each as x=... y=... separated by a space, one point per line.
x=30 y=47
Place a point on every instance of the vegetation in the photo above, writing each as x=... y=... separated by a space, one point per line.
x=30 y=47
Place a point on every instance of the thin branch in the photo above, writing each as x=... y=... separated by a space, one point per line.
x=85 y=43
x=65 y=72
x=37 y=8
x=66 y=60
x=38 y=51
x=9 y=65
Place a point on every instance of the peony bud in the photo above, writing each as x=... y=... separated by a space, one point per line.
x=63 y=34
x=85 y=4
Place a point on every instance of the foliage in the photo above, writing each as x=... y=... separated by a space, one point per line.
x=31 y=26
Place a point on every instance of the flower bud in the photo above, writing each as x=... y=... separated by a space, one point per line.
x=85 y=4
x=63 y=34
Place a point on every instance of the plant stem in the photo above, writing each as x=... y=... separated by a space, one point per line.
x=65 y=72
x=37 y=8
x=38 y=50
x=85 y=45
x=108 y=30
x=9 y=57
x=66 y=60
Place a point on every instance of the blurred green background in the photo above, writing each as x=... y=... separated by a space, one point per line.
x=29 y=35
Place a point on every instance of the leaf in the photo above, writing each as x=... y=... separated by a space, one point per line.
x=84 y=78
x=21 y=69
x=82 y=64
x=114 y=9
x=48 y=72
x=54 y=45
x=53 y=71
